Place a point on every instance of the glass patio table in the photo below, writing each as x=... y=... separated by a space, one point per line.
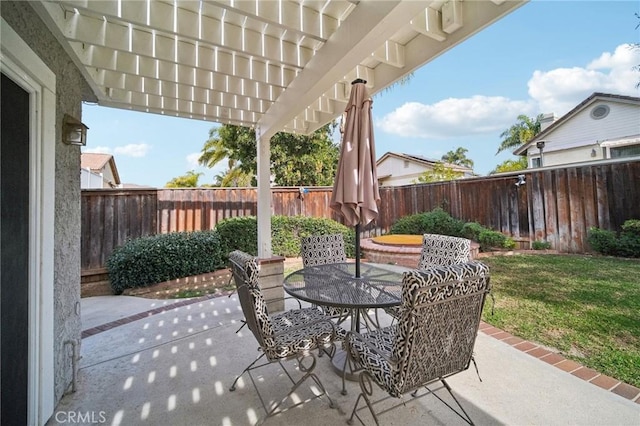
x=335 y=285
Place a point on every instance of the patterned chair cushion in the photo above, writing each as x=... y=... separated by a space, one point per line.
x=439 y=250
x=296 y=340
x=390 y=353
x=298 y=317
x=321 y=250
x=443 y=250
x=284 y=334
x=375 y=362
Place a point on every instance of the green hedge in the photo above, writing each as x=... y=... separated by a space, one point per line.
x=240 y=233
x=157 y=258
x=438 y=221
x=626 y=243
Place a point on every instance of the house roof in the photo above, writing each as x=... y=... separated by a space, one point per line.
x=274 y=65
x=98 y=161
x=596 y=96
x=423 y=160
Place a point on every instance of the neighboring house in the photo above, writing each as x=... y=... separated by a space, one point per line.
x=403 y=169
x=601 y=127
x=98 y=171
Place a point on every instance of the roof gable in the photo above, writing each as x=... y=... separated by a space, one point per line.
x=98 y=161
x=420 y=160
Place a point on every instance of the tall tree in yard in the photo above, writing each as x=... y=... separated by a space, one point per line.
x=520 y=133
x=190 y=180
x=459 y=157
x=296 y=160
x=439 y=173
x=510 y=166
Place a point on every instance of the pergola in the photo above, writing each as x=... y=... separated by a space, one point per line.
x=274 y=65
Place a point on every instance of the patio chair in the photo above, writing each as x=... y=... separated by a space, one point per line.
x=322 y=250
x=439 y=250
x=443 y=250
x=293 y=334
x=432 y=340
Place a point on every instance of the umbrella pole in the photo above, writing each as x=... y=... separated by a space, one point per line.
x=358 y=250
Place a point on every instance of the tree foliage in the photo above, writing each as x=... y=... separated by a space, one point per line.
x=459 y=157
x=520 y=133
x=440 y=173
x=189 y=180
x=511 y=166
x=295 y=160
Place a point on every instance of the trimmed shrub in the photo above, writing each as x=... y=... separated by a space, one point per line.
x=241 y=233
x=472 y=231
x=149 y=260
x=602 y=240
x=626 y=244
x=541 y=245
x=493 y=239
x=437 y=221
x=629 y=242
x=238 y=233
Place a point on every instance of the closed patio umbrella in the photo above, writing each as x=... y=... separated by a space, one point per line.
x=355 y=189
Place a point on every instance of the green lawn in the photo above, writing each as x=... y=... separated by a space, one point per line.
x=586 y=307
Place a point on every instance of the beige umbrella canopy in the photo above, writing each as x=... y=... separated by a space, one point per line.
x=355 y=190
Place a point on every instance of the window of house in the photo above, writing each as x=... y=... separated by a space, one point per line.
x=599 y=112
x=535 y=162
x=406 y=164
x=625 y=151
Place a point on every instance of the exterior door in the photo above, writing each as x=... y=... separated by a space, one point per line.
x=14 y=252
x=27 y=200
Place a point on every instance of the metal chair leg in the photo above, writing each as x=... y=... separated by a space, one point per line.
x=366 y=387
x=233 y=386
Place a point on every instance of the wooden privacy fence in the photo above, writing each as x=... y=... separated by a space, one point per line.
x=110 y=217
x=557 y=205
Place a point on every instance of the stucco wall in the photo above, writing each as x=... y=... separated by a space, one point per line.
x=71 y=89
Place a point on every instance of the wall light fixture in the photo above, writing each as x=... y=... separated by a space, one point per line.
x=74 y=132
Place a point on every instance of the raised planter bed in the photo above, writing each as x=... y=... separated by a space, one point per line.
x=402 y=250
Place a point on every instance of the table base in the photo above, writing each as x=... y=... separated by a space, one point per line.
x=338 y=366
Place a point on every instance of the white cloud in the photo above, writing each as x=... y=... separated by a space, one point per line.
x=192 y=160
x=455 y=117
x=561 y=89
x=133 y=150
x=98 y=150
x=557 y=90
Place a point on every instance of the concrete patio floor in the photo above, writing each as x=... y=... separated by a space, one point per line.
x=172 y=364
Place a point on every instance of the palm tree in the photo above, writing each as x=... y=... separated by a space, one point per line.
x=215 y=150
x=510 y=166
x=520 y=133
x=233 y=178
x=459 y=157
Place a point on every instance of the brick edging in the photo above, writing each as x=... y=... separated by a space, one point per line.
x=605 y=382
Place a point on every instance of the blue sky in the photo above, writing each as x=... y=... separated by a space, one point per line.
x=545 y=57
